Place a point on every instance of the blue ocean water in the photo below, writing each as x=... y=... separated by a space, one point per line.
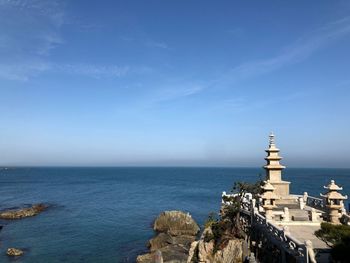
x=105 y=214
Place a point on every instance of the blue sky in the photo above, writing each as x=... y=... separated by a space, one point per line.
x=174 y=82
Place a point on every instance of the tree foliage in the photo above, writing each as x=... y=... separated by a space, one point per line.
x=243 y=187
x=337 y=237
x=228 y=225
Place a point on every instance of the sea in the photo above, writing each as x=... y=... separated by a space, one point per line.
x=106 y=214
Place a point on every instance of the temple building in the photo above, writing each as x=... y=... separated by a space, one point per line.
x=286 y=221
x=274 y=169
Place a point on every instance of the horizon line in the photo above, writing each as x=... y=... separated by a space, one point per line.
x=2 y=167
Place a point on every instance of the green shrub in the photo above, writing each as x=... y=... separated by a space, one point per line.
x=337 y=237
x=228 y=226
x=212 y=218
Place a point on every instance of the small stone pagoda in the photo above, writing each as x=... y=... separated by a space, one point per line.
x=274 y=170
x=334 y=202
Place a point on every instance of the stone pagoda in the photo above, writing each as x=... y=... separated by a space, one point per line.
x=274 y=170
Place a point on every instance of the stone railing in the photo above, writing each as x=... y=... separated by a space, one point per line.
x=246 y=206
x=245 y=202
x=283 y=238
x=317 y=203
x=345 y=219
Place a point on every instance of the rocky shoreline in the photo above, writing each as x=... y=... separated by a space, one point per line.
x=175 y=242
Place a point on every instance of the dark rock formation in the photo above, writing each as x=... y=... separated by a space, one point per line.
x=14 y=252
x=176 y=231
x=23 y=212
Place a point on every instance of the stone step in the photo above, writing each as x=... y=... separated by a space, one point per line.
x=299 y=215
x=300 y=218
x=289 y=206
x=286 y=202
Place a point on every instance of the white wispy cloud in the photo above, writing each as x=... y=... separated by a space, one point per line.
x=237 y=31
x=168 y=92
x=53 y=10
x=292 y=54
x=156 y=44
x=25 y=71
x=151 y=43
x=29 y=31
x=49 y=42
x=95 y=71
x=300 y=50
x=22 y=71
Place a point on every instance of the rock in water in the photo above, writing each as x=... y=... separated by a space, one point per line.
x=14 y=252
x=23 y=212
x=176 y=223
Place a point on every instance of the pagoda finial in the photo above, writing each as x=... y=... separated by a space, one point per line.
x=272 y=139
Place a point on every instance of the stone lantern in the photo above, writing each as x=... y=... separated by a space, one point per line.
x=268 y=199
x=334 y=202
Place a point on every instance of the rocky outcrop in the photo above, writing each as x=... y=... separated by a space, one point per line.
x=176 y=223
x=14 y=252
x=176 y=231
x=164 y=239
x=203 y=251
x=170 y=254
x=175 y=243
x=23 y=212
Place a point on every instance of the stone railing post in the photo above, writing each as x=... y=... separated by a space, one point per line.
x=268 y=214
x=314 y=215
x=286 y=216
x=305 y=195
x=261 y=209
x=310 y=252
x=343 y=211
x=158 y=258
x=301 y=203
x=286 y=230
x=222 y=197
x=252 y=258
x=253 y=203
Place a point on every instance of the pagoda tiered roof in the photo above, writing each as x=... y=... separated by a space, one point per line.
x=333 y=187
x=333 y=192
x=277 y=158
x=274 y=166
